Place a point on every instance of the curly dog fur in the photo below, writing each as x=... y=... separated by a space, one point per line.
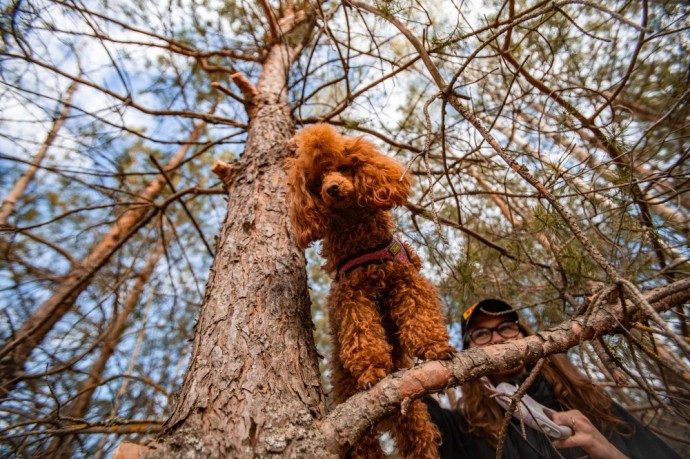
x=341 y=190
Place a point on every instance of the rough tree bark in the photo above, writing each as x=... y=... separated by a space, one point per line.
x=253 y=378
x=17 y=349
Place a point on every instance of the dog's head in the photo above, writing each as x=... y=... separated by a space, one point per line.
x=334 y=175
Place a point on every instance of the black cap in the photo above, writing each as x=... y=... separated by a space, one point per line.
x=489 y=306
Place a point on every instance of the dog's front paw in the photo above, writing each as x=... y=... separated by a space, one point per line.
x=370 y=376
x=439 y=351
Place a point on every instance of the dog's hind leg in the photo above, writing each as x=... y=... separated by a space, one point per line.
x=416 y=437
x=345 y=386
x=368 y=447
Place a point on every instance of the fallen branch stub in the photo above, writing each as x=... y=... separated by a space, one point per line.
x=223 y=170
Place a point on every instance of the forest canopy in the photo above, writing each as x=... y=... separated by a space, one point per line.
x=547 y=141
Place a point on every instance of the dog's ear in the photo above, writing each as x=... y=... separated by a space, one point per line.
x=378 y=178
x=307 y=221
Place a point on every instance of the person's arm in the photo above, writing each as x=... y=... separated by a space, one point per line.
x=585 y=436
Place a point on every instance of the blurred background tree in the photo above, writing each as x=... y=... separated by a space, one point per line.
x=113 y=112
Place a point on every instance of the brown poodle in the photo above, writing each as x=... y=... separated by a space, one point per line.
x=381 y=310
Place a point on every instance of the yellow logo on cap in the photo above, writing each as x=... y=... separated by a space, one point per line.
x=466 y=315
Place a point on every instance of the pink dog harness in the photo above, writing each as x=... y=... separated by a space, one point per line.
x=393 y=250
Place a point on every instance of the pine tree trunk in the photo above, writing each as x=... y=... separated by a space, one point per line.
x=16 y=351
x=254 y=373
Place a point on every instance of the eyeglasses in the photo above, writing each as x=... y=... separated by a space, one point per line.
x=482 y=335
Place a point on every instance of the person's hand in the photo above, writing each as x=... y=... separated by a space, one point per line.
x=585 y=436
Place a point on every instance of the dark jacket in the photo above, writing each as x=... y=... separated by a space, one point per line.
x=459 y=443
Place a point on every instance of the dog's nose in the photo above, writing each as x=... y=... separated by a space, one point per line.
x=333 y=190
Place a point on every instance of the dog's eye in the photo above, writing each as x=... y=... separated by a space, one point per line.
x=345 y=169
x=315 y=186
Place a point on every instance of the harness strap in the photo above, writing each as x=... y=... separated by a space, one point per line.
x=393 y=250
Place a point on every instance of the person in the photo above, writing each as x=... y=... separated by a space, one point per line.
x=602 y=429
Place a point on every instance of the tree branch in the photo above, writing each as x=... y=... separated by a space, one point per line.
x=349 y=420
x=272 y=23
